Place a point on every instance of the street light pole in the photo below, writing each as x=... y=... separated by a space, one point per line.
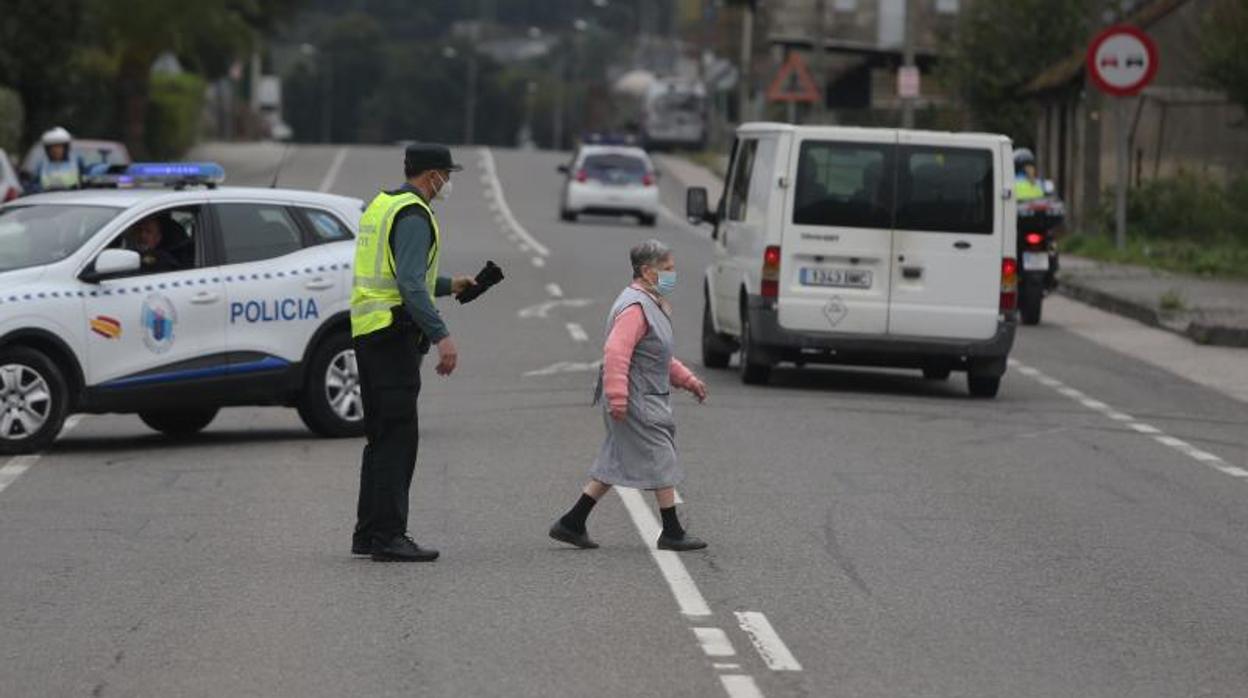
x=907 y=103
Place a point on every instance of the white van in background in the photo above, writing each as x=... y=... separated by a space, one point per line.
x=872 y=247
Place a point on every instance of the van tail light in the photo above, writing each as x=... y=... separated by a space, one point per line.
x=647 y=180
x=1034 y=239
x=1009 y=284
x=582 y=176
x=771 y=272
x=10 y=195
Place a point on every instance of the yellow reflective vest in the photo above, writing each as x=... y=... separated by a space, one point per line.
x=1026 y=190
x=375 y=291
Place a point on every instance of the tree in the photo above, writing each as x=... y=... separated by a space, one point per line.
x=1224 y=55
x=999 y=47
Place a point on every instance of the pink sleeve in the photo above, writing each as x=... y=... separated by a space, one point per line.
x=680 y=374
x=630 y=326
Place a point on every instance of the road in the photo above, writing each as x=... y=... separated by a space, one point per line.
x=872 y=533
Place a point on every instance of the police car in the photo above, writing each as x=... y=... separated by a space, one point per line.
x=174 y=301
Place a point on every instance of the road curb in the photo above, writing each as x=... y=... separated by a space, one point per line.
x=1198 y=331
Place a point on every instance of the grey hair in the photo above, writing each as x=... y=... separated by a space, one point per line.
x=647 y=254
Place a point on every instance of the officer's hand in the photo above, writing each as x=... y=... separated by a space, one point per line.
x=448 y=356
x=459 y=284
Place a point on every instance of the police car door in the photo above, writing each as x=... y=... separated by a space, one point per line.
x=280 y=286
x=164 y=325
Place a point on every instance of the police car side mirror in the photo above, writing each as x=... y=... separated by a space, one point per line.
x=112 y=263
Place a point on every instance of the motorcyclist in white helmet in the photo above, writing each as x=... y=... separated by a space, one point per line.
x=59 y=168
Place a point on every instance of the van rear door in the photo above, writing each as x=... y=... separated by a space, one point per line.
x=946 y=272
x=837 y=242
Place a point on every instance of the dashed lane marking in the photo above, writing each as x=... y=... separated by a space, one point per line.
x=1200 y=456
x=740 y=686
x=17 y=465
x=331 y=175
x=538 y=262
x=577 y=332
x=714 y=642
x=491 y=174
x=554 y=291
x=771 y=648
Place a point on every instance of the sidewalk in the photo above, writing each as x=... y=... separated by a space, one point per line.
x=1208 y=311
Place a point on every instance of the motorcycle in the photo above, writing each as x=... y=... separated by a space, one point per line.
x=1038 y=221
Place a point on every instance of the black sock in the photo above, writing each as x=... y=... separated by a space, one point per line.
x=576 y=516
x=671 y=524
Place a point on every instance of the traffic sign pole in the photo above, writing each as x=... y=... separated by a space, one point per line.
x=1121 y=61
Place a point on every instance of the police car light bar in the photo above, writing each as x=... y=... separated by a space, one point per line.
x=175 y=175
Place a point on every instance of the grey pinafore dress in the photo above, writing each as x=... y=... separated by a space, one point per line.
x=640 y=451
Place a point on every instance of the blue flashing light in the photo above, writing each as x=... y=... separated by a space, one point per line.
x=159 y=174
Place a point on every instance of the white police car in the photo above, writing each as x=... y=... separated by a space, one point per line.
x=243 y=301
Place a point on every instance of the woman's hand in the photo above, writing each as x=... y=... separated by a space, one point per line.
x=698 y=388
x=618 y=412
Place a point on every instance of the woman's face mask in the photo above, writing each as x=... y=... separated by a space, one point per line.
x=664 y=281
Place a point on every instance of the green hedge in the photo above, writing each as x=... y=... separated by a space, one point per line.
x=175 y=105
x=12 y=119
x=1186 y=207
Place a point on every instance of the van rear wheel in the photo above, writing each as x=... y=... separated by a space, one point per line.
x=752 y=372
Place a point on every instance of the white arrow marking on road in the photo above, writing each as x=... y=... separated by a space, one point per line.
x=565 y=367
x=542 y=310
x=768 y=643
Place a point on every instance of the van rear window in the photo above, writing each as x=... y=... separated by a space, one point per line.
x=919 y=188
x=843 y=185
x=945 y=190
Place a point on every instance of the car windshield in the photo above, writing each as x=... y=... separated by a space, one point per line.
x=615 y=169
x=31 y=236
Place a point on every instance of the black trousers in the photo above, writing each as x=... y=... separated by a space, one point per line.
x=389 y=364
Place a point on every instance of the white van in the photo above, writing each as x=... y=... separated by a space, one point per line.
x=873 y=247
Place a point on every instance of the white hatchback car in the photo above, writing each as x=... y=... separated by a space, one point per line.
x=246 y=302
x=610 y=180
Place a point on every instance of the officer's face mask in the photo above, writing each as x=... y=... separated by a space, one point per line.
x=444 y=191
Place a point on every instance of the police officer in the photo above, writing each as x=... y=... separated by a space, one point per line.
x=146 y=237
x=59 y=168
x=393 y=324
x=1027 y=184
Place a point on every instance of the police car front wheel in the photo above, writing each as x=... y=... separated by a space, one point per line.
x=34 y=400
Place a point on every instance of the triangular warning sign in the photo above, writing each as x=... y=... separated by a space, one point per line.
x=793 y=83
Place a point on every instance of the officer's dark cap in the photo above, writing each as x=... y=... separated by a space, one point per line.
x=422 y=157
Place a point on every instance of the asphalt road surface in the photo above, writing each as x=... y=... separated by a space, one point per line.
x=872 y=534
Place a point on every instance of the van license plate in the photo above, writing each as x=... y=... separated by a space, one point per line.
x=841 y=278
x=1035 y=261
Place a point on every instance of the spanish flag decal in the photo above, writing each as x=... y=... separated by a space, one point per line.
x=105 y=326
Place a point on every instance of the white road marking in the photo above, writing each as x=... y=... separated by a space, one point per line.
x=740 y=686
x=714 y=642
x=565 y=367
x=682 y=585
x=554 y=290
x=1211 y=459
x=542 y=310
x=577 y=332
x=771 y=648
x=677 y=498
x=725 y=665
x=17 y=465
x=491 y=172
x=538 y=262
x=331 y=175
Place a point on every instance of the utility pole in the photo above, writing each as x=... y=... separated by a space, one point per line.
x=820 y=57
x=907 y=103
x=747 y=59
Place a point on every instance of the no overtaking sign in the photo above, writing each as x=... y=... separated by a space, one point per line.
x=1122 y=60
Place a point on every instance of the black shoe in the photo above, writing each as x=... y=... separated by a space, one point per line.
x=361 y=546
x=563 y=534
x=682 y=544
x=402 y=549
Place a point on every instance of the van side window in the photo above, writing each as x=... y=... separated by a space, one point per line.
x=843 y=185
x=945 y=190
x=739 y=195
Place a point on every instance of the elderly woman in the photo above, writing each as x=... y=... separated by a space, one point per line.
x=638 y=372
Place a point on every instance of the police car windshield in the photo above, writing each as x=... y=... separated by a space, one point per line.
x=32 y=236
